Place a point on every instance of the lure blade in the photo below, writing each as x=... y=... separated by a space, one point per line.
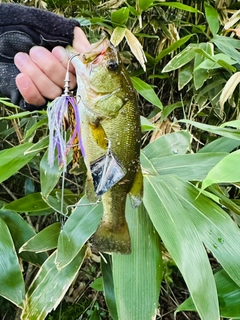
x=106 y=172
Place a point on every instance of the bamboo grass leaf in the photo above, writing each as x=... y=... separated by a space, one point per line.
x=191 y=167
x=21 y=232
x=222 y=144
x=79 y=227
x=146 y=91
x=108 y=285
x=225 y=132
x=45 y=240
x=12 y=284
x=179 y=6
x=48 y=176
x=229 y=88
x=229 y=296
x=117 y=35
x=31 y=203
x=212 y=18
x=182 y=240
x=227 y=170
x=49 y=287
x=136 y=48
x=215 y=227
x=137 y=276
x=168 y=144
x=13 y=159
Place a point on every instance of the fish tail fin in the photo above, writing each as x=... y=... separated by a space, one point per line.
x=118 y=240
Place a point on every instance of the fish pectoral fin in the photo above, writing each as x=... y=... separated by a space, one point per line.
x=89 y=189
x=136 y=191
x=99 y=135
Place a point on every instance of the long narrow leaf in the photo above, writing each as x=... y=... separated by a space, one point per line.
x=214 y=226
x=49 y=287
x=82 y=223
x=225 y=132
x=145 y=90
x=137 y=276
x=108 y=285
x=229 y=296
x=21 y=232
x=45 y=240
x=191 y=167
x=181 y=238
x=227 y=170
x=13 y=159
x=11 y=280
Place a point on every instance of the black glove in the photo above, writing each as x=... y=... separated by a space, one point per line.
x=21 y=28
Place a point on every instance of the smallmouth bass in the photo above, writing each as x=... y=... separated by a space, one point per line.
x=110 y=127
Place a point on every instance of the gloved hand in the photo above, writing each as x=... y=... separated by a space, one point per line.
x=21 y=28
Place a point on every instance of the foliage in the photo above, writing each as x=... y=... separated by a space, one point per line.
x=184 y=63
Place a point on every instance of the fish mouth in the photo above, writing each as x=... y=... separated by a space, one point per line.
x=96 y=51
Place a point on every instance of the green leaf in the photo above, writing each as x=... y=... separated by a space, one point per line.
x=191 y=167
x=180 y=59
x=120 y=16
x=233 y=123
x=227 y=46
x=179 y=6
x=45 y=240
x=221 y=144
x=17 y=115
x=201 y=75
x=177 y=44
x=225 y=132
x=12 y=284
x=37 y=125
x=143 y=4
x=97 y=284
x=215 y=227
x=49 y=177
x=13 y=159
x=95 y=315
x=169 y=108
x=117 y=35
x=168 y=144
x=146 y=91
x=228 y=293
x=185 y=75
x=212 y=18
x=218 y=63
x=227 y=170
x=138 y=275
x=49 y=287
x=181 y=239
x=81 y=224
x=146 y=125
x=108 y=286
x=30 y=203
x=21 y=232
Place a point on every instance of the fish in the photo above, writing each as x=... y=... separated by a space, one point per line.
x=111 y=139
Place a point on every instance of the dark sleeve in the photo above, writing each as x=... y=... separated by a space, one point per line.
x=44 y=27
x=21 y=28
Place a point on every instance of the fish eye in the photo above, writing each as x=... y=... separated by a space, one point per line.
x=112 y=66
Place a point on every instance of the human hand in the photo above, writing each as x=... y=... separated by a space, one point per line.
x=32 y=37
x=43 y=72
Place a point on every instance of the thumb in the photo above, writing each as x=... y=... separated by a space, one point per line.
x=80 y=41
